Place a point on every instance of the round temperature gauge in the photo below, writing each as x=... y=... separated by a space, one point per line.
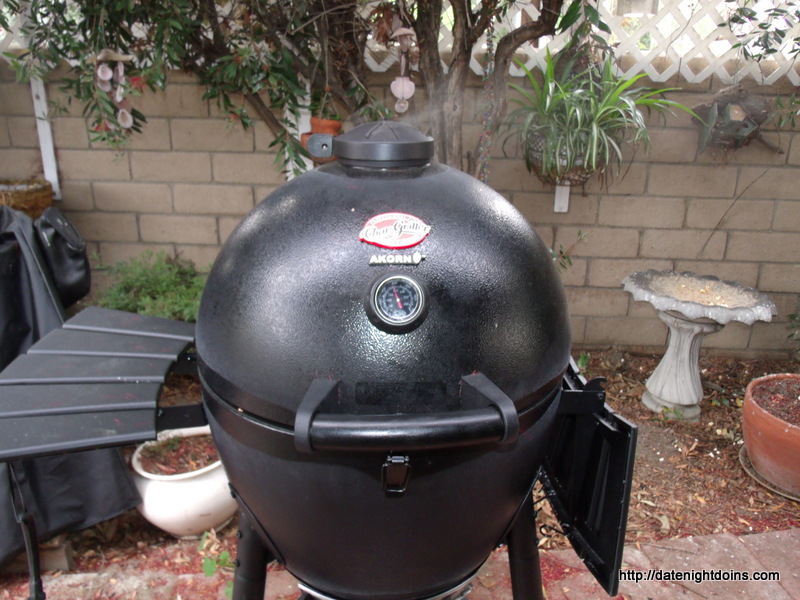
x=397 y=301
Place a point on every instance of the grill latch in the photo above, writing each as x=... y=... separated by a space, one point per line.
x=395 y=473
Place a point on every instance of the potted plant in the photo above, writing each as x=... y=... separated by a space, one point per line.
x=182 y=482
x=577 y=117
x=182 y=492
x=771 y=430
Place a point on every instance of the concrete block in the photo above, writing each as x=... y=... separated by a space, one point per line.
x=780 y=277
x=106 y=227
x=133 y=197
x=787 y=215
x=641 y=310
x=202 y=256
x=631 y=180
x=609 y=272
x=178 y=229
x=759 y=154
x=54 y=555
x=22 y=132
x=234 y=167
x=76 y=195
x=768 y=182
x=733 y=336
x=20 y=163
x=740 y=272
x=689 y=244
x=213 y=199
x=189 y=167
x=111 y=253
x=578 y=326
x=262 y=191
x=510 y=174
x=263 y=137
x=15 y=99
x=218 y=135
x=692 y=181
x=626 y=331
x=5 y=139
x=70 y=132
x=601 y=242
x=575 y=274
x=538 y=208
x=636 y=211
x=154 y=136
x=597 y=302
x=729 y=213
x=180 y=100
x=226 y=227
x=770 y=336
x=672 y=145
x=94 y=165
x=793 y=155
x=766 y=246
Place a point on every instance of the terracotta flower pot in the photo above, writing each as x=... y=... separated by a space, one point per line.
x=331 y=126
x=773 y=445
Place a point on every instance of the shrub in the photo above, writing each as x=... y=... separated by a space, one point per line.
x=156 y=285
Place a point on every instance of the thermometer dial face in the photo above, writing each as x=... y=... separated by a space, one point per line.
x=397 y=300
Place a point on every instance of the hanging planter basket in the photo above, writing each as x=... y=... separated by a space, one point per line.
x=577 y=175
x=31 y=196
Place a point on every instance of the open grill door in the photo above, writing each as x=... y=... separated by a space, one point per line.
x=587 y=476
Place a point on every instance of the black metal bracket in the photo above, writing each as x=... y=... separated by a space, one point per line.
x=480 y=385
x=319 y=391
x=175 y=417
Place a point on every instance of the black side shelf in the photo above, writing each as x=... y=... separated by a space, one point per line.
x=587 y=476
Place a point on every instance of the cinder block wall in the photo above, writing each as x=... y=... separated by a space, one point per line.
x=188 y=180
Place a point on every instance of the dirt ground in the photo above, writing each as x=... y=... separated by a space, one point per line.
x=687 y=476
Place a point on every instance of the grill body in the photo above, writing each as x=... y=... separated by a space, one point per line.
x=294 y=301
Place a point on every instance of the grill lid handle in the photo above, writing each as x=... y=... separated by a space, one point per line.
x=498 y=423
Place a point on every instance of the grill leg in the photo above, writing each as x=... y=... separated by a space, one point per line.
x=250 y=577
x=523 y=555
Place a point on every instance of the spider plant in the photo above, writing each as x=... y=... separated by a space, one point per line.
x=572 y=124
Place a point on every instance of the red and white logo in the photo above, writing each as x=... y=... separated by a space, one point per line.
x=394 y=231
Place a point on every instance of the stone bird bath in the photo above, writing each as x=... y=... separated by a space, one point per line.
x=693 y=306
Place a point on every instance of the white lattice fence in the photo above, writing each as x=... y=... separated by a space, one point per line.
x=665 y=38
x=660 y=38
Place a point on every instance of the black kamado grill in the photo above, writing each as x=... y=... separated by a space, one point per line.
x=383 y=345
x=384 y=348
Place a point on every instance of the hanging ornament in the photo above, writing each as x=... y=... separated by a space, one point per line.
x=403 y=88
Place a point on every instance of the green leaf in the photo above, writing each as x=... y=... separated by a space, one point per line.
x=570 y=17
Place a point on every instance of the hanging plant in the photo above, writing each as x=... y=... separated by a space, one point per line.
x=576 y=119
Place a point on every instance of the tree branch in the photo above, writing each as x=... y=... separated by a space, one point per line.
x=504 y=52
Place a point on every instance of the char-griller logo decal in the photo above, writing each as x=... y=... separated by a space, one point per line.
x=394 y=231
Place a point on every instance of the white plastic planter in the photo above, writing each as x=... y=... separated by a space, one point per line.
x=186 y=504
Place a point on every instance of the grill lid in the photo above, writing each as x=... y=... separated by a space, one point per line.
x=385 y=144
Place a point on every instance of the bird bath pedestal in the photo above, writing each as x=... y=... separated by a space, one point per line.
x=693 y=307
